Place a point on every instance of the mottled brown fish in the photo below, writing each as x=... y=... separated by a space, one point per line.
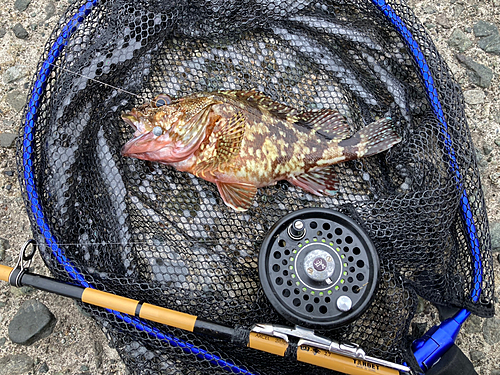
x=243 y=140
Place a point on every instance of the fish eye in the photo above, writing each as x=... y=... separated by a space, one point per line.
x=157 y=131
x=162 y=100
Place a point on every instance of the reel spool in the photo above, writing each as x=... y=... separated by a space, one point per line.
x=318 y=268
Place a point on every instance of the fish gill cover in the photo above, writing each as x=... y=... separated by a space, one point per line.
x=146 y=231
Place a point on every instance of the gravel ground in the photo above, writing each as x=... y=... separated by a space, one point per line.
x=77 y=346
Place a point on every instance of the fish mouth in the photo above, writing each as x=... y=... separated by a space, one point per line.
x=137 y=145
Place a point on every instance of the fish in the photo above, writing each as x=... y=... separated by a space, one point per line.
x=244 y=140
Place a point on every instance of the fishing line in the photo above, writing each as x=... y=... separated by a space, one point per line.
x=93 y=79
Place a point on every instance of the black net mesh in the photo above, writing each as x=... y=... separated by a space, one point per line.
x=148 y=232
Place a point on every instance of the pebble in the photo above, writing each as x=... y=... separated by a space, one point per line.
x=479 y=74
x=13 y=74
x=418 y=329
x=444 y=21
x=4 y=245
x=476 y=356
x=32 y=322
x=8 y=187
x=22 y=291
x=429 y=9
x=2 y=341
x=3 y=31
x=491 y=330
x=22 y=5
x=20 y=31
x=16 y=364
x=473 y=97
x=16 y=99
x=495 y=236
x=459 y=40
x=7 y=139
x=490 y=44
x=84 y=368
x=9 y=173
x=43 y=368
x=487 y=149
x=474 y=324
x=483 y=28
x=50 y=10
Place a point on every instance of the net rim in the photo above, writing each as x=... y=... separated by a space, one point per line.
x=28 y=179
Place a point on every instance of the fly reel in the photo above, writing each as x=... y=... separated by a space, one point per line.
x=318 y=268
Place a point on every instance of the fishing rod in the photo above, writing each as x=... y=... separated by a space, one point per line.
x=296 y=342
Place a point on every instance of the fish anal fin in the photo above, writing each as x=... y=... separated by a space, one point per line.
x=237 y=195
x=320 y=182
x=327 y=122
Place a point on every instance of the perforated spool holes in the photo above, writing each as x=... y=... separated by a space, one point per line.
x=318 y=271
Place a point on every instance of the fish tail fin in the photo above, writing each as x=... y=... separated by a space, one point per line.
x=374 y=138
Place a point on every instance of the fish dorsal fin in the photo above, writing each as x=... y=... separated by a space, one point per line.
x=237 y=195
x=326 y=122
x=321 y=182
x=259 y=100
x=229 y=138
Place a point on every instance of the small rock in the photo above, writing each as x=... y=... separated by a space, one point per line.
x=459 y=40
x=495 y=236
x=495 y=372
x=487 y=149
x=444 y=21
x=4 y=245
x=98 y=353
x=474 y=324
x=478 y=73
x=7 y=139
x=43 y=368
x=497 y=142
x=9 y=173
x=16 y=364
x=429 y=9
x=2 y=341
x=16 y=99
x=476 y=356
x=429 y=25
x=495 y=178
x=482 y=29
x=22 y=5
x=3 y=31
x=32 y=322
x=474 y=96
x=20 y=31
x=481 y=160
x=50 y=10
x=2 y=304
x=491 y=330
x=84 y=368
x=22 y=291
x=13 y=74
x=418 y=329
x=8 y=187
x=490 y=44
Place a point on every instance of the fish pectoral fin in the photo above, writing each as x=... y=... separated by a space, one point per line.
x=230 y=137
x=320 y=182
x=326 y=122
x=237 y=195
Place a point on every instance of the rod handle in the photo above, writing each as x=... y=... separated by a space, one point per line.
x=5 y=272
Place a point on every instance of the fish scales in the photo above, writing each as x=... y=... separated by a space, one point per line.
x=243 y=140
